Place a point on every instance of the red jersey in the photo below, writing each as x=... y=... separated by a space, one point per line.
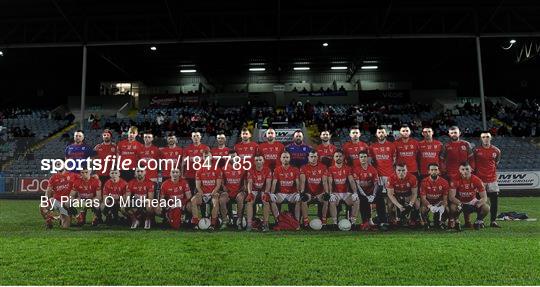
x=351 y=151
x=208 y=178
x=175 y=190
x=129 y=150
x=190 y=152
x=258 y=178
x=61 y=184
x=428 y=153
x=247 y=150
x=286 y=177
x=141 y=188
x=114 y=189
x=434 y=190
x=147 y=153
x=102 y=151
x=366 y=178
x=233 y=179
x=402 y=187
x=467 y=189
x=314 y=177
x=407 y=152
x=340 y=176
x=383 y=156
x=219 y=154
x=455 y=153
x=87 y=188
x=271 y=153
x=326 y=154
x=171 y=153
x=486 y=163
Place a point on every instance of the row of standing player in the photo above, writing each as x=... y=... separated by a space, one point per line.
x=435 y=151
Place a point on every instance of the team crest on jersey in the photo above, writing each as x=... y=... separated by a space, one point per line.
x=494 y=155
x=463 y=147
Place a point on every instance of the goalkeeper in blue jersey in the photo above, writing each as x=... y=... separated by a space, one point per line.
x=298 y=150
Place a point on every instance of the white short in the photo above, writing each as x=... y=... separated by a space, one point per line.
x=337 y=197
x=289 y=197
x=383 y=180
x=472 y=202
x=492 y=186
x=56 y=206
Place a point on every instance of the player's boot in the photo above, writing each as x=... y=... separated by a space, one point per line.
x=108 y=219
x=147 y=223
x=494 y=224
x=364 y=226
x=306 y=223
x=265 y=227
x=81 y=218
x=249 y=228
x=383 y=227
x=95 y=221
x=479 y=224
x=135 y=224
x=324 y=221
x=468 y=225
x=457 y=226
x=49 y=222
x=224 y=224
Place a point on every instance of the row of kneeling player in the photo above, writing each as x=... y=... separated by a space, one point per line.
x=398 y=199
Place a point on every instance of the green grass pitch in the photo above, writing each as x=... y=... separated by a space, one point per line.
x=29 y=254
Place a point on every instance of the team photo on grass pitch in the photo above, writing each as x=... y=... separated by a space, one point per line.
x=269 y=143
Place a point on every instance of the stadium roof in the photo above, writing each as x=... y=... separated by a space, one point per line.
x=27 y=23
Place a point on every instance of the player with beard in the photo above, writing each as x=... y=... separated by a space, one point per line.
x=434 y=197
x=148 y=153
x=171 y=154
x=140 y=188
x=314 y=187
x=455 y=152
x=60 y=186
x=340 y=185
x=208 y=181
x=259 y=181
x=407 y=150
x=129 y=149
x=113 y=190
x=402 y=190
x=298 y=150
x=174 y=188
x=286 y=185
x=221 y=150
x=486 y=158
x=87 y=189
x=246 y=149
x=326 y=149
x=193 y=154
x=353 y=147
x=271 y=150
x=102 y=150
x=383 y=155
x=234 y=191
x=367 y=186
x=78 y=150
x=429 y=151
x=467 y=194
